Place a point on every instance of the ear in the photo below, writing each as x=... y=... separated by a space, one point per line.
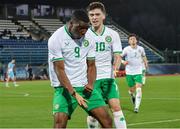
x=104 y=17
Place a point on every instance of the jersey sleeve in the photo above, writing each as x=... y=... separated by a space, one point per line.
x=54 y=50
x=117 y=46
x=143 y=54
x=124 y=53
x=91 y=53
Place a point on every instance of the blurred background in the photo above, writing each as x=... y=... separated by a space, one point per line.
x=26 y=25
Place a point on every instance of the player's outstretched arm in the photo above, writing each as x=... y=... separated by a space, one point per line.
x=116 y=63
x=91 y=74
x=60 y=71
x=145 y=62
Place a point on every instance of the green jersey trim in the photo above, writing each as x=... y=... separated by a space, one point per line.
x=66 y=29
x=90 y=58
x=56 y=59
x=118 y=52
x=96 y=33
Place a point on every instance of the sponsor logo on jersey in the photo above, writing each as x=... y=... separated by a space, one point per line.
x=108 y=39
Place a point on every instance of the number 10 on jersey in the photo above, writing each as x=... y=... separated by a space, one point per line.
x=100 y=46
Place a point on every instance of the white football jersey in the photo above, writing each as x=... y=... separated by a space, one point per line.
x=134 y=58
x=74 y=53
x=106 y=44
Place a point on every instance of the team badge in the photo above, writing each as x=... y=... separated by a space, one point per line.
x=108 y=39
x=86 y=43
x=56 y=106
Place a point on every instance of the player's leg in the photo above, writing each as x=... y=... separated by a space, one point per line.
x=91 y=121
x=63 y=106
x=14 y=79
x=60 y=120
x=143 y=77
x=132 y=88
x=7 y=80
x=138 y=79
x=101 y=114
x=119 y=119
x=98 y=109
x=112 y=93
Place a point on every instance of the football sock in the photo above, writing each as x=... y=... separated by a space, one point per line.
x=119 y=120
x=138 y=97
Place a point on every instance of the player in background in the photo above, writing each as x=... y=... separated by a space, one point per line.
x=108 y=47
x=10 y=73
x=134 y=55
x=72 y=72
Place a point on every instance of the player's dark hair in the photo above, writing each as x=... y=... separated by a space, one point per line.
x=96 y=5
x=133 y=35
x=80 y=15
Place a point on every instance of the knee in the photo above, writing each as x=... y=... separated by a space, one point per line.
x=115 y=108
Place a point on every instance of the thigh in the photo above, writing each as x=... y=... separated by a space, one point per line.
x=102 y=115
x=94 y=101
x=130 y=80
x=63 y=102
x=138 y=79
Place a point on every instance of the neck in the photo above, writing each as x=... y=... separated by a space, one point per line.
x=132 y=46
x=99 y=29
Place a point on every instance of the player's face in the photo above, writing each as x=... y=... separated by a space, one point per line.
x=96 y=17
x=133 y=41
x=78 y=30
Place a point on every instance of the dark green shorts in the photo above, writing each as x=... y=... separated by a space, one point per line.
x=108 y=88
x=133 y=79
x=64 y=102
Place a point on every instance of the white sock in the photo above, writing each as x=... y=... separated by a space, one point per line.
x=138 y=98
x=119 y=120
x=132 y=94
x=143 y=80
x=92 y=123
x=7 y=84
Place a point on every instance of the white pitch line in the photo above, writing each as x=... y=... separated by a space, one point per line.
x=154 y=122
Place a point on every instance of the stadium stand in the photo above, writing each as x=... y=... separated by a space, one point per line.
x=50 y=25
x=35 y=52
x=9 y=29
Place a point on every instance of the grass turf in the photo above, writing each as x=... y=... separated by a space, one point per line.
x=30 y=104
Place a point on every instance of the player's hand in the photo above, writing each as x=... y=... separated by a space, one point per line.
x=115 y=72
x=125 y=63
x=81 y=101
x=88 y=90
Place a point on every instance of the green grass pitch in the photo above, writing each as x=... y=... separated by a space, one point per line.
x=30 y=104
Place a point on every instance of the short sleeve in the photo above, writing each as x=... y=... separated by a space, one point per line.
x=117 y=46
x=91 y=53
x=143 y=54
x=124 y=52
x=54 y=50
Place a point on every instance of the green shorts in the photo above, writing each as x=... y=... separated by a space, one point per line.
x=108 y=88
x=64 y=102
x=133 y=79
x=143 y=72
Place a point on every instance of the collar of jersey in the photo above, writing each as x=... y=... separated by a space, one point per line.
x=66 y=29
x=96 y=33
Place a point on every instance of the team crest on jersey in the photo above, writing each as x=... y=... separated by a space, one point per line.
x=86 y=43
x=108 y=39
x=56 y=106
